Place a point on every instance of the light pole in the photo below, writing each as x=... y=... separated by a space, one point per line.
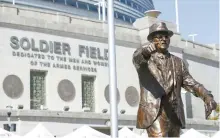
x=112 y=70
x=193 y=36
x=99 y=11
x=186 y=44
x=103 y=10
x=177 y=16
x=9 y=108
x=102 y=4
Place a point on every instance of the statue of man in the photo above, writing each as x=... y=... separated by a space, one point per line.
x=161 y=76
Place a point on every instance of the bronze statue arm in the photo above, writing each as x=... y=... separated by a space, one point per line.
x=141 y=55
x=198 y=90
x=191 y=85
x=138 y=58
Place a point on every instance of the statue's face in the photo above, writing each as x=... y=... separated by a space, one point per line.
x=162 y=41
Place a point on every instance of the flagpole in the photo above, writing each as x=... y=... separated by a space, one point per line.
x=103 y=10
x=177 y=16
x=99 y=11
x=112 y=71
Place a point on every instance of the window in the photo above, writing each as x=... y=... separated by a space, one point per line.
x=82 y=5
x=60 y=1
x=123 y=1
x=71 y=2
x=93 y=8
x=132 y=4
x=37 y=87
x=87 y=5
x=105 y=11
x=88 y=99
x=77 y=5
x=129 y=2
x=137 y=6
x=116 y=15
x=131 y=20
x=124 y=17
x=120 y=16
x=151 y=1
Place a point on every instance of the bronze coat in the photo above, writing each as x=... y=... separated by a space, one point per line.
x=152 y=87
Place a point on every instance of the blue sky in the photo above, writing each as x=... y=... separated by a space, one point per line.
x=195 y=16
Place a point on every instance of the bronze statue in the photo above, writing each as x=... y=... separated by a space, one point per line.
x=161 y=76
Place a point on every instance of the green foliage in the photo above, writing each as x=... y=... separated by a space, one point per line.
x=217 y=108
x=214 y=118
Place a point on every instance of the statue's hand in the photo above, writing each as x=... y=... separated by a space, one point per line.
x=148 y=49
x=210 y=105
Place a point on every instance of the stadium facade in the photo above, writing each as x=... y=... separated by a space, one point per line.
x=54 y=70
x=125 y=11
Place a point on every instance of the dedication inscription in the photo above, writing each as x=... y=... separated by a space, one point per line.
x=54 y=54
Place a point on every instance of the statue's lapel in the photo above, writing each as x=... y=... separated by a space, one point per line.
x=170 y=75
x=177 y=67
x=155 y=71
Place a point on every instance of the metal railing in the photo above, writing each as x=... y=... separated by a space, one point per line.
x=69 y=10
x=214 y=49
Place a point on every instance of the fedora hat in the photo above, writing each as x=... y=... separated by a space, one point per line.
x=156 y=28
